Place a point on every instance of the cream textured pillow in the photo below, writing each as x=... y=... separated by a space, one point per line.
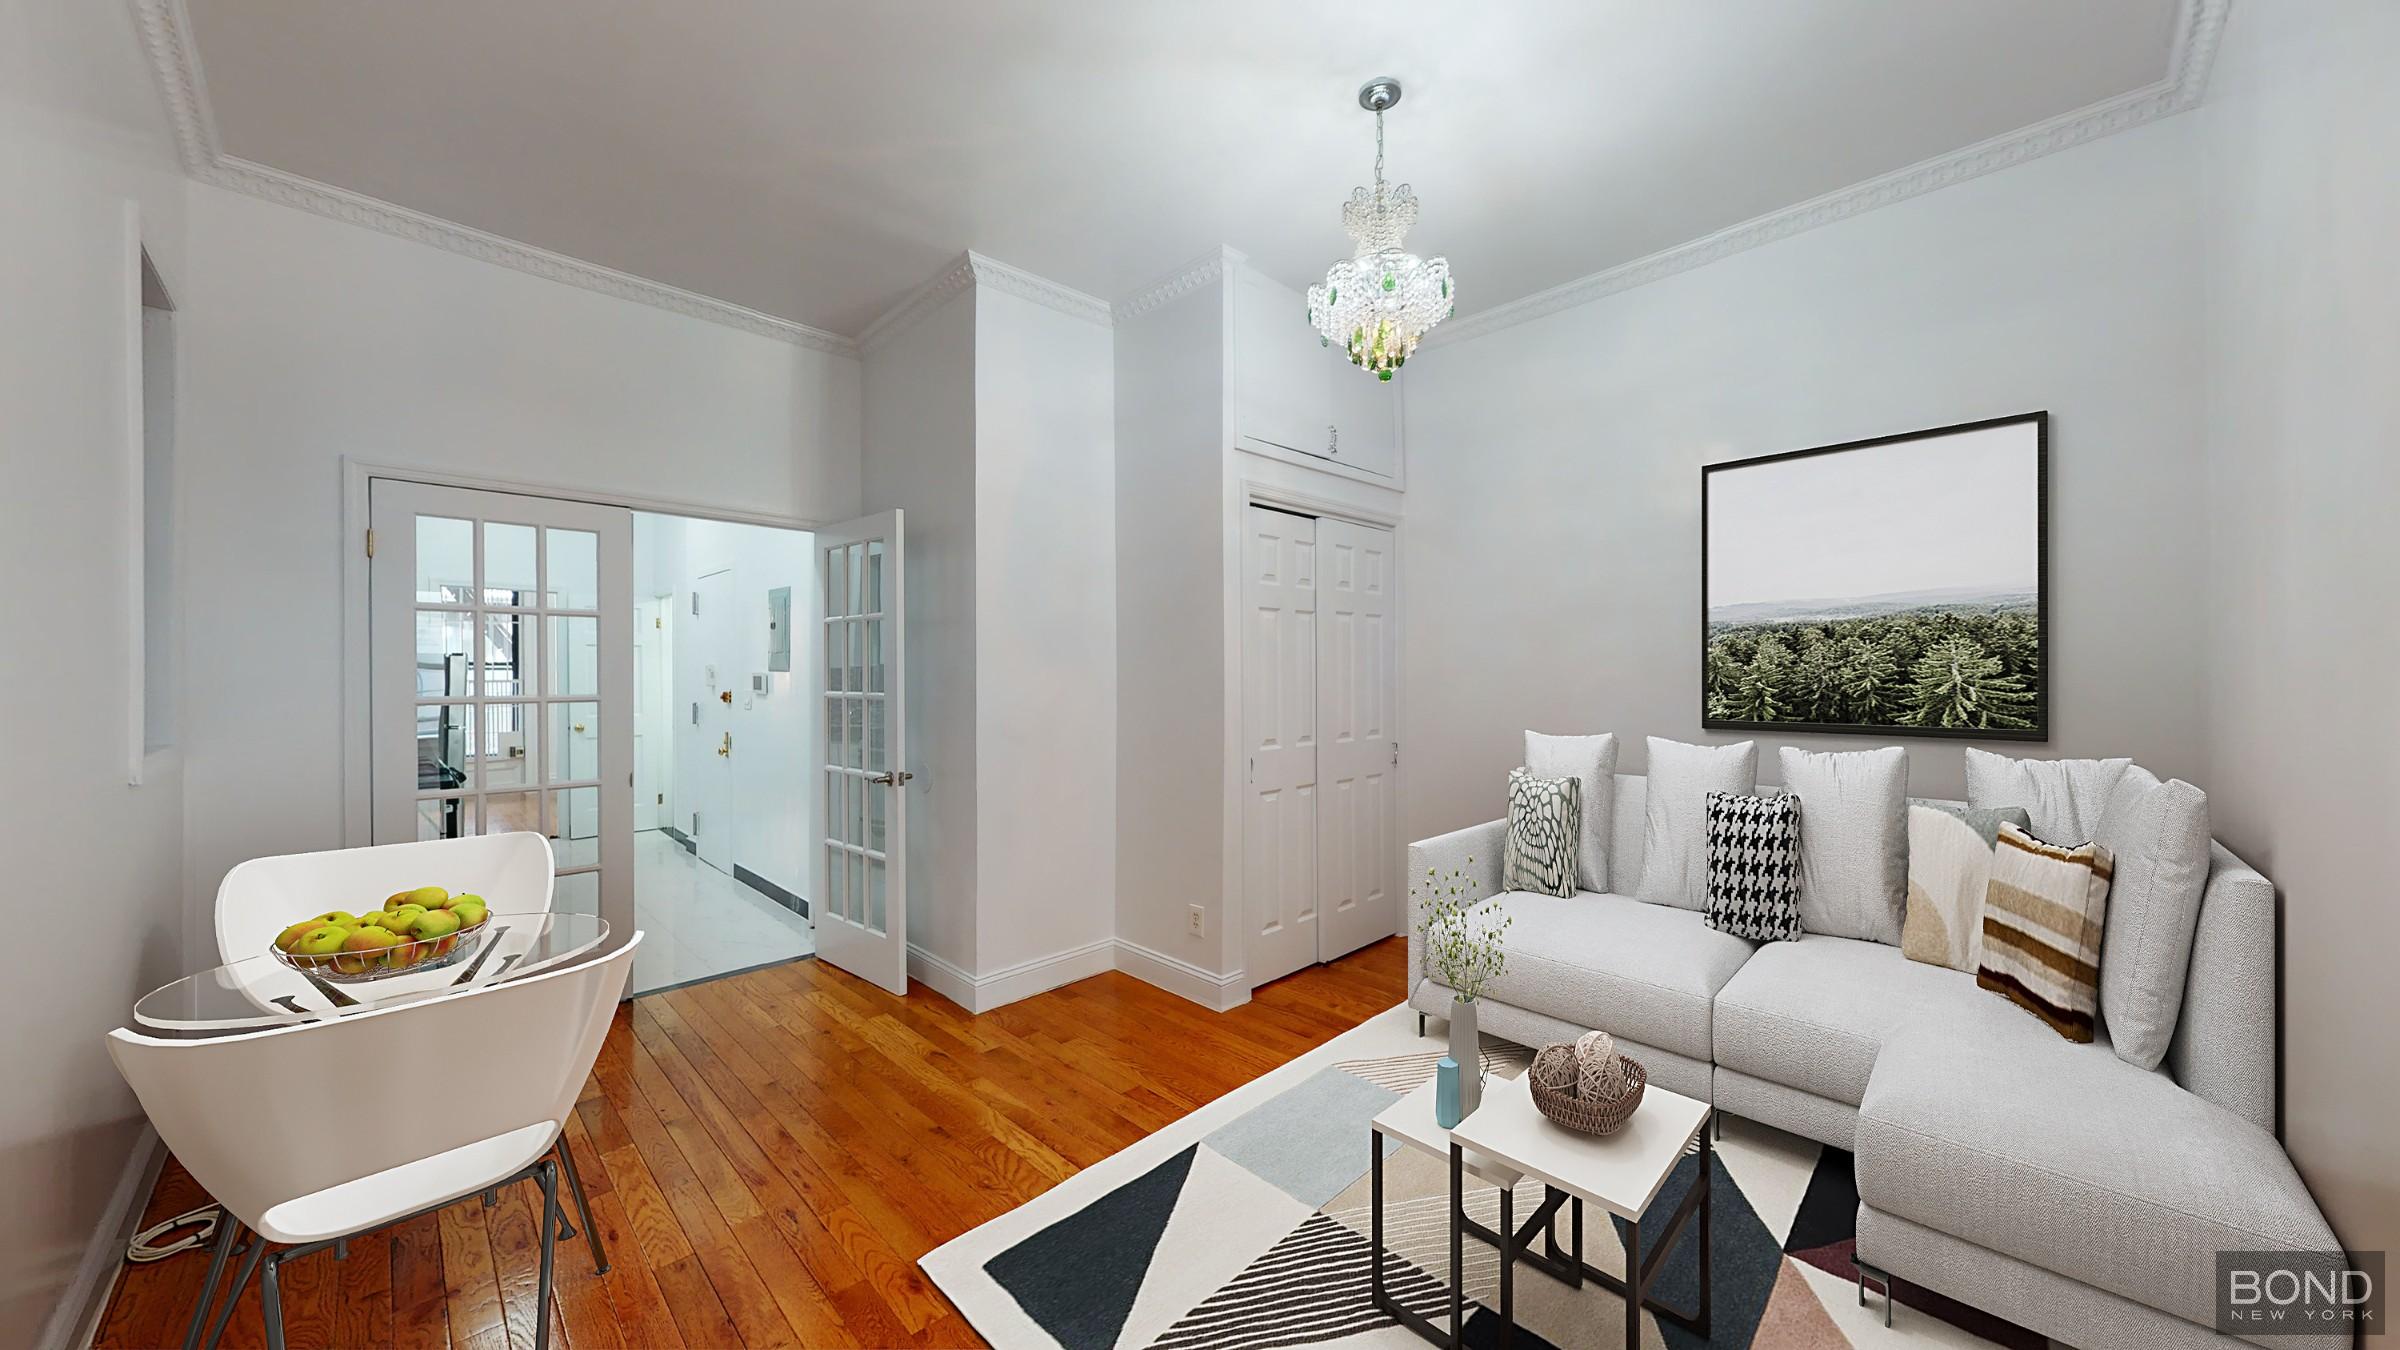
x=2064 y=796
x=2158 y=834
x=2042 y=921
x=1853 y=840
x=1675 y=815
x=1545 y=817
x=1591 y=760
x=1949 y=868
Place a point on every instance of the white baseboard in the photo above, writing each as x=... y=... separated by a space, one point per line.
x=1182 y=978
x=76 y=1318
x=982 y=993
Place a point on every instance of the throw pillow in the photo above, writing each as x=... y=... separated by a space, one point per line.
x=1754 y=866
x=2042 y=921
x=1675 y=815
x=1949 y=867
x=2158 y=834
x=1592 y=761
x=1545 y=818
x=1854 y=855
x=2064 y=796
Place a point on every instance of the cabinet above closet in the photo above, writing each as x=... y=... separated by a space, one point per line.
x=1296 y=399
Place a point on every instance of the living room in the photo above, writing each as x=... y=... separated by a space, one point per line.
x=1959 y=438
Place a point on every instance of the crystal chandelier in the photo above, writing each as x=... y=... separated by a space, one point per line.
x=1382 y=300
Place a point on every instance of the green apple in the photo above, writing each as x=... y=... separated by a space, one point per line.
x=462 y=898
x=341 y=916
x=404 y=919
x=429 y=896
x=396 y=898
x=285 y=939
x=441 y=928
x=372 y=919
x=320 y=942
x=364 y=950
x=471 y=914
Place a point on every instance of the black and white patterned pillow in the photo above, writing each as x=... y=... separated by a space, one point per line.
x=1545 y=823
x=1754 y=866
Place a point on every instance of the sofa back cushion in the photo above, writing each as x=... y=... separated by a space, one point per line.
x=1853 y=840
x=1675 y=835
x=2158 y=834
x=1629 y=816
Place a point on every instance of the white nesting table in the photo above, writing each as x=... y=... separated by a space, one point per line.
x=1621 y=1173
x=1410 y=1120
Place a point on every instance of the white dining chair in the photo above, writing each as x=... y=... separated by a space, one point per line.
x=309 y=1135
x=515 y=873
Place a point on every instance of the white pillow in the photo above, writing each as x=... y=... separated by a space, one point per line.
x=2064 y=796
x=1592 y=761
x=1675 y=815
x=2157 y=833
x=1853 y=840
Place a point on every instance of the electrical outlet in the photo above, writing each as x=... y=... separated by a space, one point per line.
x=1196 y=922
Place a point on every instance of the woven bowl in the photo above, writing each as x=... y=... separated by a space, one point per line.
x=1563 y=1106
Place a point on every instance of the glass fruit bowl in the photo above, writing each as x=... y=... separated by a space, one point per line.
x=405 y=958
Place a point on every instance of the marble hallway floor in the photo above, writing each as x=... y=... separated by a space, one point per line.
x=699 y=922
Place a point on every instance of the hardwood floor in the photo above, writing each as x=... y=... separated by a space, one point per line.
x=768 y=1156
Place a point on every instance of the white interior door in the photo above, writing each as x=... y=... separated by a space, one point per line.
x=709 y=634
x=861 y=908
x=501 y=689
x=650 y=720
x=1279 y=732
x=1358 y=863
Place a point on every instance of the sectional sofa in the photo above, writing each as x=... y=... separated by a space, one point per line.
x=2049 y=1183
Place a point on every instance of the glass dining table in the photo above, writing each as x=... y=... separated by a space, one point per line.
x=259 y=993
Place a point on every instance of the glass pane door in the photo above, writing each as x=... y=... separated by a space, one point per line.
x=863 y=917
x=498 y=624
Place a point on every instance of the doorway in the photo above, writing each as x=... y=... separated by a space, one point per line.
x=650 y=692
x=1320 y=857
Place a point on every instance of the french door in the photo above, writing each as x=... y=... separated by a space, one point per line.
x=501 y=685
x=862 y=864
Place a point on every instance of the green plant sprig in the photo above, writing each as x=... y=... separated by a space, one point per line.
x=1465 y=942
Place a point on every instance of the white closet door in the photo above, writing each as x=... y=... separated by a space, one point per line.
x=1358 y=862
x=1279 y=726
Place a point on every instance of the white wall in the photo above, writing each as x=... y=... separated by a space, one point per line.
x=1553 y=506
x=2303 y=451
x=94 y=913
x=774 y=764
x=307 y=340
x=1046 y=632
x=920 y=437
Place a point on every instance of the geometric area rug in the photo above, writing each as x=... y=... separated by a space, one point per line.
x=1245 y=1225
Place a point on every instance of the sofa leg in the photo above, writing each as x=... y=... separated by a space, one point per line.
x=1420 y=1026
x=1866 y=1272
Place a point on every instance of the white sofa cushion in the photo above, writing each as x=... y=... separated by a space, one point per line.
x=2068 y=1158
x=2064 y=796
x=1645 y=973
x=1591 y=761
x=1675 y=820
x=1813 y=1014
x=2157 y=835
x=1853 y=840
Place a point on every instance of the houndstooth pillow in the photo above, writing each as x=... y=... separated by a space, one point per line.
x=1754 y=866
x=1545 y=824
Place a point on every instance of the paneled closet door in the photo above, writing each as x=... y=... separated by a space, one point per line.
x=1279 y=729
x=1358 y=856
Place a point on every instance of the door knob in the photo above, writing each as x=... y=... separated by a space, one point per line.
x=579 y=728
x=725 y=747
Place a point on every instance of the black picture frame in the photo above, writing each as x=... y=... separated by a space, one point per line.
x=2039 y=730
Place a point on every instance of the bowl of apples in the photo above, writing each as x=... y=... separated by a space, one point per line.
x=422 y=929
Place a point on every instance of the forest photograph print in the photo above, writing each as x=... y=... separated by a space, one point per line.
x=1894 y=586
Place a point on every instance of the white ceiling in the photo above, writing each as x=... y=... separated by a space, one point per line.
x=817 y=160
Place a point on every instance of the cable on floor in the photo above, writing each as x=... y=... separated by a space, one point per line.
x=147 y=1245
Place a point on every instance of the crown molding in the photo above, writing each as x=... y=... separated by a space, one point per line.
x=1184 y=280
x=167 y=34
x=972 y=269
x=2197 y=31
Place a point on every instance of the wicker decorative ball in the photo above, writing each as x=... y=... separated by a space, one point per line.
x=1587 y=1086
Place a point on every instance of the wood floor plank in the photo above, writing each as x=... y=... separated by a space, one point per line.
x=769 y=1155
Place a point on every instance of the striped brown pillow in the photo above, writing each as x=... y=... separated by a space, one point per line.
x=2043 y=915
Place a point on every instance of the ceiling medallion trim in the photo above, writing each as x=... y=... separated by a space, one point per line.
x=166 y=32
x=971 y=269
x=2198 y=28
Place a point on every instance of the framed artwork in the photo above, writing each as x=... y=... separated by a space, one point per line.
x=1895 y=587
